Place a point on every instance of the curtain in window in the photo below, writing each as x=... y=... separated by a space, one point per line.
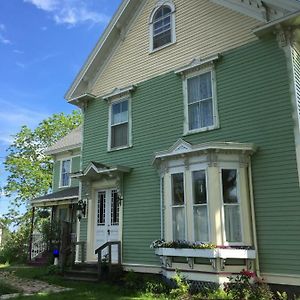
x=65 y=170
x=200 y=101
x=178 y=223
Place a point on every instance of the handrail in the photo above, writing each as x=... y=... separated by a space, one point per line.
x=106 y=245
x=99 y=252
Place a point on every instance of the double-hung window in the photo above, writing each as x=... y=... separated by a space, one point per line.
x=65 y=173
x=162 y=26
x=232 y=218
x=200 y=209
x=119 y=124
x=200 y=102
x=178 y=206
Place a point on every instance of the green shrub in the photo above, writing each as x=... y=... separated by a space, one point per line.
x=53 y=270
x=157 y=287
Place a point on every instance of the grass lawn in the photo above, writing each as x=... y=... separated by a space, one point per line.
x=81 y=291
x=6 y=289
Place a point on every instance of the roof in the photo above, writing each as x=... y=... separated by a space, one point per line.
x=66 y=194
x=71 y=141
x=265 y=11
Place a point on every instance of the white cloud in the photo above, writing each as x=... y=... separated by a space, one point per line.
x=70 y=12
x=47 y=5
x=18 y=51
x=4 y=40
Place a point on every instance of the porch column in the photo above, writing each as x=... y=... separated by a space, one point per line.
x=31 y=232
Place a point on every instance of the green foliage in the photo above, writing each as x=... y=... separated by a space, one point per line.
x=248 y=287
x=157 y=287
x=133 y=281
x=6 y=289
x=181 y=292
x=50 y=231
x=30 y=171
x=282 y=296
x=15 y=248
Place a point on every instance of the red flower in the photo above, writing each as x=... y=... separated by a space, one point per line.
x=249 y=274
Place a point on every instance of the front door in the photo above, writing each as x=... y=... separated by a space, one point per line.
x=107 y=220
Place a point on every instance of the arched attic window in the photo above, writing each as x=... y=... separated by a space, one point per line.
x=162 y=26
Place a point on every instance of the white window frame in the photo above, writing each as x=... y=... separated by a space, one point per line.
x=129 y=143
x=186 y=130
x=171 y=5
x=60 y=172
x=196 y=169
x=231 y=167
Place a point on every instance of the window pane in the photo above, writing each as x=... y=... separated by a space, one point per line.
x=201 y=223
x=65 y=179
x=178 y=223
x=232 y=223
x=205 y=86
x=161 y=12
x=65 y=172
x=199 y=187
x=194 y=116
x=199 y=87
x=162 y=39
x=119 y=112
x=229 y=186
x=119 y=135
x=66 y=166
x=206 y=109
x=178 y=189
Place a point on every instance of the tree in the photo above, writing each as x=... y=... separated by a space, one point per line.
x=30 y=170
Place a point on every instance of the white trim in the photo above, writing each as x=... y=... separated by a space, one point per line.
x=55 y=202
x=142 y=268
x=60 y=172
x=171 y=5
x=129 y=122
x=186 y=130
x=121 y=93
x=197 y=64
x=284 y=279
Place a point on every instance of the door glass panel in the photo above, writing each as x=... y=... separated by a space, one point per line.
x=101 y=209
x=114 y=208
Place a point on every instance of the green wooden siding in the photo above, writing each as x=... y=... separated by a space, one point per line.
x=254 y=106
x=56 y=173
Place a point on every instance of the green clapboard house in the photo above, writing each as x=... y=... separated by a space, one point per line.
x=191 y=138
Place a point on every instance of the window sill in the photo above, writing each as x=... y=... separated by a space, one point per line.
x=161 y=48
x=119 y=148
x=190 y=132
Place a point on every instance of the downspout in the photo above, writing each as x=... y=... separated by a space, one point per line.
x=257 y=268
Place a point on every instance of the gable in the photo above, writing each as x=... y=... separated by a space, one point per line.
x=122 y=57
x=201 y=30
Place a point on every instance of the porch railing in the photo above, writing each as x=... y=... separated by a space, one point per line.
x=38 y=246
x=99 y=253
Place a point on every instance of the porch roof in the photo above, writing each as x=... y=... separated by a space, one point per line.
x=96 y=169
x=66 y=196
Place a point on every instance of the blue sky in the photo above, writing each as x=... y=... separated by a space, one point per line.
x=43 y=44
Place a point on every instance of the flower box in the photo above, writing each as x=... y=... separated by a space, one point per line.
x=183 y=252
x=237 y=253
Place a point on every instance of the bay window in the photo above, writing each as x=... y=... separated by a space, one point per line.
x=206 y=192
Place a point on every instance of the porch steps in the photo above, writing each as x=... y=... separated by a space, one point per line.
x=82 y=272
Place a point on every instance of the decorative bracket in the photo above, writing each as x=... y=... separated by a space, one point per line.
x=213 y=262
x=222 y=264
x=190 y=262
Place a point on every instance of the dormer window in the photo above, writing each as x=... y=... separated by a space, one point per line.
x=162 y=26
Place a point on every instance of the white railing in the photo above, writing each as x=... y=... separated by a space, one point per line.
x=38 y=246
